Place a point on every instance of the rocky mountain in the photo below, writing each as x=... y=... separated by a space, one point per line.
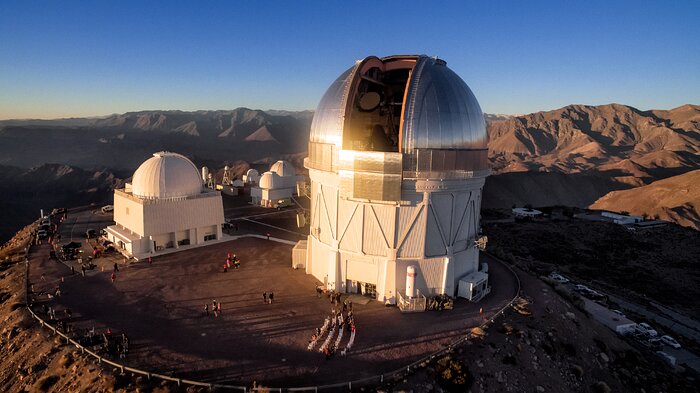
x=617 y=139
x=675 y=199
x=576 y=154
x=125 y=140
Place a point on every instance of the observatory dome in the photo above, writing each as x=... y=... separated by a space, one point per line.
x=283 y=168
x=414 y=105
x=252 y=172
x=166 y=175
x=270 y=181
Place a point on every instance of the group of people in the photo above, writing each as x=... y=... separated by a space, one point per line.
x=268 y=297
x=340 y=319
x=215 y=308
x=231 y=260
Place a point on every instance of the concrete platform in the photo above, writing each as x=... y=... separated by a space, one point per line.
x=160 y=306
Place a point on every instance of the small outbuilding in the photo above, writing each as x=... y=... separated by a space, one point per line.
x=165 y=207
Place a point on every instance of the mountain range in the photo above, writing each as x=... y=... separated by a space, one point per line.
x=571 y=156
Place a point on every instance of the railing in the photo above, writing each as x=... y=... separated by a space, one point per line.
x=412 y=304
x=146 y=201
x=349 y=385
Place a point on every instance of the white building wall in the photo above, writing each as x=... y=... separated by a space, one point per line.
x=433 y=229
x=129 y=213
x=176 y=215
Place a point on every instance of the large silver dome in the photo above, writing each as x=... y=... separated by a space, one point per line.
x=413 y=105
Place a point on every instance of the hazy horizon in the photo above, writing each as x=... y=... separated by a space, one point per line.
x=92 y=60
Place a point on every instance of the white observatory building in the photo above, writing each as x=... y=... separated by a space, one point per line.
x=397 y=161
x=165 y=207
x=276 y=186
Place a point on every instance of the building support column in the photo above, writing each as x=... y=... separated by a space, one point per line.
x=175 y=240
x=333 y=274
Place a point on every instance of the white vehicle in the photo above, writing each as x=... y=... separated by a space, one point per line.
x=42 y=234
x=107 y=209
x=670 y=341
x=558 y=278
x=619 y=313
x=667 y=358
x=645 y=327
x=626 y=329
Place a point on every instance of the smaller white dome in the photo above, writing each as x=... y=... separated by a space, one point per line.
x=252 y=172
x=283 y=168
x=166 y=175
x=270 y=180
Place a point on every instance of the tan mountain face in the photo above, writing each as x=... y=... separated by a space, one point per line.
x=579 y=138
x=674 y=199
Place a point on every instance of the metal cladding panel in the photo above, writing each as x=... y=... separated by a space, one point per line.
x=371 y=161
x=460 y=214
x=466 y=262
x=370 y=175
x=373 y=242
x=330 y=198
x=414 y=243
x=434 y=245
x=325 y=230
x=442 y=205
x=386 y=215
x=361 y=269
x=428 y=278
x=352 y=240
x=327 y=124
x=441 y=112
x=370 y=186
x=433 y=271
x=319 y=256
x=323 y=156
x=175 y=215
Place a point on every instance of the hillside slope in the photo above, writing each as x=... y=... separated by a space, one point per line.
x=675 y=199
x=579 y=138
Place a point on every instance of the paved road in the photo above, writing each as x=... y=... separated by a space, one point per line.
x=610 y=319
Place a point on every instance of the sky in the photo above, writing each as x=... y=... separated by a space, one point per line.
x=93 y=58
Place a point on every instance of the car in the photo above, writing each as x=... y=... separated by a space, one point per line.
x=666 y=357
x=90 y=233
x=619 y=313
x=558 y=278
x=42 y=234
x=107 y=209
x=227 y=225
x=645 y=327
x=59 y=210
x=670 y=341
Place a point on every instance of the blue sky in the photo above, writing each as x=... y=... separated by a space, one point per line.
x=70 y=58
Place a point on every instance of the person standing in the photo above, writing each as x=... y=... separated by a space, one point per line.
x=206 y=309
x=82 y=267
x=116 y=267
x=114 y=277
x=150 y=260
x=272 y=296
x=264 y=297
x=218 y=307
